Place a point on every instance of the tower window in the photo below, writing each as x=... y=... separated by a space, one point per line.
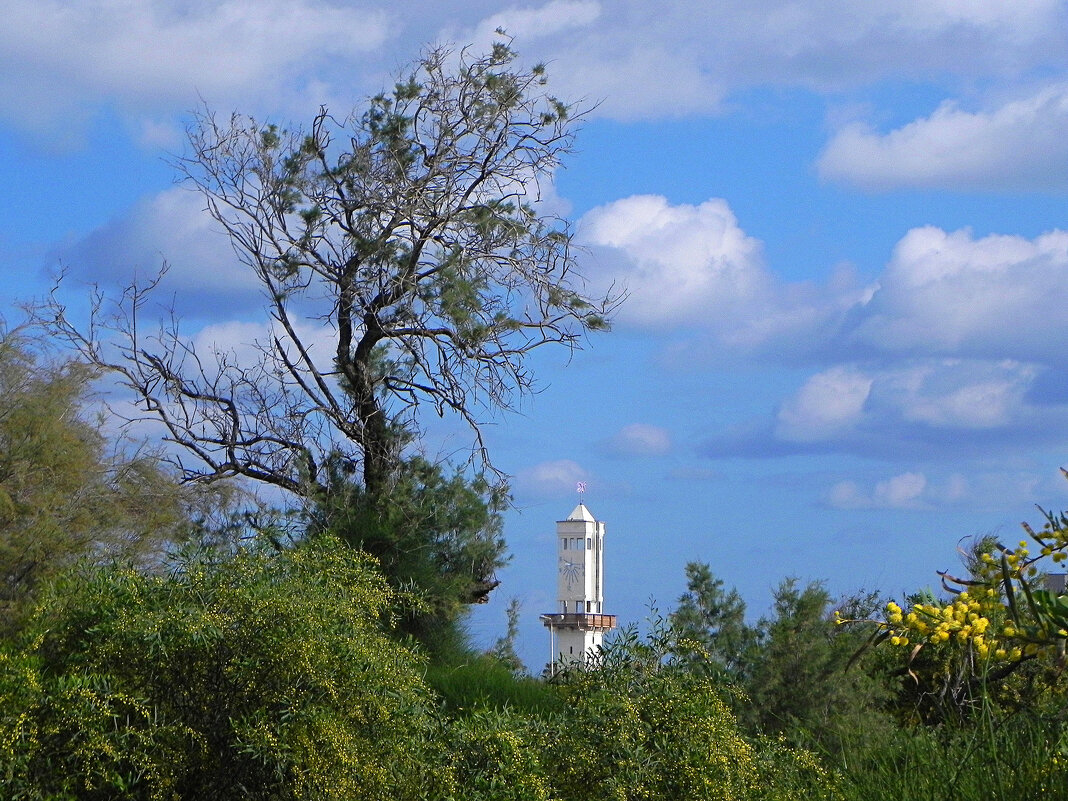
x=589 y=543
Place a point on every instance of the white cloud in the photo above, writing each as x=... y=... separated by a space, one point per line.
x=854 y=407
x=61 y=62
x=685 y=57
x=942 y=294
x=828 y=404
x=640 y=439
x=956 y=489
x=531 y=24
x=915 y=490
x=551 y=479
x=58 y=57
x=234 y=340
x=904 y=491
x=170 y=227
x=960 y=395
x=687 y=266
x=1022 y=145
x=952 y=294
x=679 y=263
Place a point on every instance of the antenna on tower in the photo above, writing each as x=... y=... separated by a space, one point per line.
x=580 y=488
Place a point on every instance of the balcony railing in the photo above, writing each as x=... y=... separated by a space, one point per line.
x=584 y=621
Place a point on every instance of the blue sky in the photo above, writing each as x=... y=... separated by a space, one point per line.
x=842 y=225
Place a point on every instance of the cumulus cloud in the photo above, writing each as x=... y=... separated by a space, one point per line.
x=531 y=24
x=941 y=394
x=236 y=341
x=957 y=295
x=694 y=267
x=551 y=479
x=173 y=228
x=686 y=57
x=916 y=490
x=942 y=294
x=640 y=439
x=961 y=395
x=682 y=263
x=828 y=403
x=1021 y=145
x=60 y=62
x=918 y=408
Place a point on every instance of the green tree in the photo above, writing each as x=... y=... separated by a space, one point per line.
x=710 y=623
x=798 y=682
x=439 y=537
x=504 y=649
x=65 y=491
x=641 y=725
x=410 y=232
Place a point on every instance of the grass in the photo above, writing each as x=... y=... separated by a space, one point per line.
x=484 y=682
x=1020 y=759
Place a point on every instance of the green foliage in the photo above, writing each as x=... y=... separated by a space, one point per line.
x=498 y=758
x=798 y=683
x=504 y=649
x=438 y=537
x=638 y=725
x=787 y=674
x=264 y=675
x=1020 y=759
x=710 y=623
x=269 y=675
x=481 y=681
x=63 y=493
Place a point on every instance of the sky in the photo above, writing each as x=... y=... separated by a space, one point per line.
x=842 y=228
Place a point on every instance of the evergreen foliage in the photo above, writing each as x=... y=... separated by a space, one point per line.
x=410 y=231
x=66 y=491
x=438 y=537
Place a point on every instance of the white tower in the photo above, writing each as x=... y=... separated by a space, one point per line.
x=577 y=627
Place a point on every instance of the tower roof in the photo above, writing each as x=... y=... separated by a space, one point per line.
x=580 y=512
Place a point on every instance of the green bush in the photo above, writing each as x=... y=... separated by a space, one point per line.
x=264 y=675
x=639 y=727
x=497 y=757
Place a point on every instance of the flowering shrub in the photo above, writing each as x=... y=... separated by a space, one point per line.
x=999 y=617
x=999 y=613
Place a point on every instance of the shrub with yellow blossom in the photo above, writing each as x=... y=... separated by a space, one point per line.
x=1004 y=614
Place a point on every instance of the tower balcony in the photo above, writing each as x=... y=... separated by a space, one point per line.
x=583 y=621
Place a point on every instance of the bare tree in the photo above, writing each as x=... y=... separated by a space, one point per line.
x=407 y=236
